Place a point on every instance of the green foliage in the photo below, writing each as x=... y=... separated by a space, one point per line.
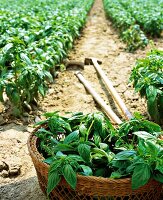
x=69 y=175
x=84 y=152
x=53 y=180
x=141 y=175
x=148 y=14
x=35 y=37
x=134 y=38
x=126 y=24
x=90 y=145
x=147 y=77
x=134 y=19
x=118 y=14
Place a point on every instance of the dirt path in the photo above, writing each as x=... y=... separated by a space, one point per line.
x=99 y=40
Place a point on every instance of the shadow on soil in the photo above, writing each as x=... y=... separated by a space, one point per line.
x=22 y=190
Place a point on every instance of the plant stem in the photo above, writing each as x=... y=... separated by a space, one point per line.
x=88 y=132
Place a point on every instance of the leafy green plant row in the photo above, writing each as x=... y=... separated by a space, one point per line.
x=122 y=19
x=148 y=14
x=147 y=78
x=89 y=145
x=35 y=37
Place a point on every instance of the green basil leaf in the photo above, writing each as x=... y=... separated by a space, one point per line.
x=158 y=177
x=63 y=147
x=125 y=155
x=60 y=154
x=144 y=135
x=16 y=98
x=26 y=59
x=108 y=155
x=153 y=110
x=130 y=168
x=53 y=180
x=74 y=136
x=102 y=172
x=98 y=120
x=138 y=116
x=98 y=117
x=159 y=165
x=87 y=171
x=84 y=152
x=104 y=146
x=49 y=160
x=75 y=157
x=7 y=48
x=83 y=130
x=97 y=138
x=116 y=174
x=121 y=164
x=141 y=175
x=41 y=90
x=152 y=148
x=152 y=126
x=151 y=92
x=70 y=175
x=49 y=76
x=54 y=166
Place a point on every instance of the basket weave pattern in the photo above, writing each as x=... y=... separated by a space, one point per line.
x=91 y=187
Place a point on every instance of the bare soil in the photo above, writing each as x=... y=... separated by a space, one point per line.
x=98 y=39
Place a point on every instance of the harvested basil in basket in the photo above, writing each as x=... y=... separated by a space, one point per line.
x=88 y=144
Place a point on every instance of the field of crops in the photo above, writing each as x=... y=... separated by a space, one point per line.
x=38 y=38
x=136 y=20
x=35 y=37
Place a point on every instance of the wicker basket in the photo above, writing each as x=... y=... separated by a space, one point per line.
x=90 y=187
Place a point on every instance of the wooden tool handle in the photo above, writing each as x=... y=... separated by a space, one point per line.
x=112 y=90
x=98 y=99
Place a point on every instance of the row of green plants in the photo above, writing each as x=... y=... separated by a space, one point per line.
x=134 y=19
x=35 y=38
x=122 y=20
x=89 y=145
x=148 y=14
x=147 y=78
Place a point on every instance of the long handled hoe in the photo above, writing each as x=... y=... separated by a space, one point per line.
x=109 y=86
x=107 y=109
x=98 y=99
